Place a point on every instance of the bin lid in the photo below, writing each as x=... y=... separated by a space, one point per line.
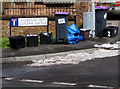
x=102 y=7
x=16 y=37
x=83 y=29
x=61 y=13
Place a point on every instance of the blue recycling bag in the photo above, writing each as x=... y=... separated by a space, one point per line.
x=74 y=35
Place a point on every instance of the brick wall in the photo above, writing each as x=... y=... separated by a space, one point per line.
x=37 y=9
x=15 y=31
x=76 y=9
x=5 y=28
x=80 y=8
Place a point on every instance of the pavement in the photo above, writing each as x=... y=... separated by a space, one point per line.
x=43 y=51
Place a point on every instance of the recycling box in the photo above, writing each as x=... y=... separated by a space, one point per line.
x=110 y=31
x=17 y=42
x=85 y=33
x=46 y=38
x=32 y=40
x=61 y=26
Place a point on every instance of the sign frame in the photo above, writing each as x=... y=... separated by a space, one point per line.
x=14 y=22
x=22 y=22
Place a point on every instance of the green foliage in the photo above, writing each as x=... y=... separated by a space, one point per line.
x=4 y=42
x=53 y=39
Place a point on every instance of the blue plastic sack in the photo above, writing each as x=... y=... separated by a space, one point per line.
x=73 y=29
x=74 y=39
x=74 y=35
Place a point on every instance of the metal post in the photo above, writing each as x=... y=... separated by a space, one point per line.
x=47 y=24
x=93 y=17
x=10 y=30
x=1 y=11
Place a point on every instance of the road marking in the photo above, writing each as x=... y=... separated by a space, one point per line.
x=8 y=79
x=31 y=81
x=99 y=86
x=63 y=83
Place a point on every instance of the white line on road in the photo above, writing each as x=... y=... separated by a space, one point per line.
x=31 y=81
x=8 y=79
x=99 y=86
x=63 y=83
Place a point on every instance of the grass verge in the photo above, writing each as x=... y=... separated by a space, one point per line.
x=4 y=42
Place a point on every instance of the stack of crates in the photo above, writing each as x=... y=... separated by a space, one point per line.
x=46 y=38
x=17 y=42
x=110 y=31
x=32 y=40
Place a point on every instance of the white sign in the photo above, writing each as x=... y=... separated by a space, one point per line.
x=105 y=15
x=61 y=21
x=43 y=21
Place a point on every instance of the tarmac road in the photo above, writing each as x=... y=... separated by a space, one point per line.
x=102 y=72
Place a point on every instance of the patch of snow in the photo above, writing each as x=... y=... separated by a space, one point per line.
x=75 y=58
x=108 y=45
